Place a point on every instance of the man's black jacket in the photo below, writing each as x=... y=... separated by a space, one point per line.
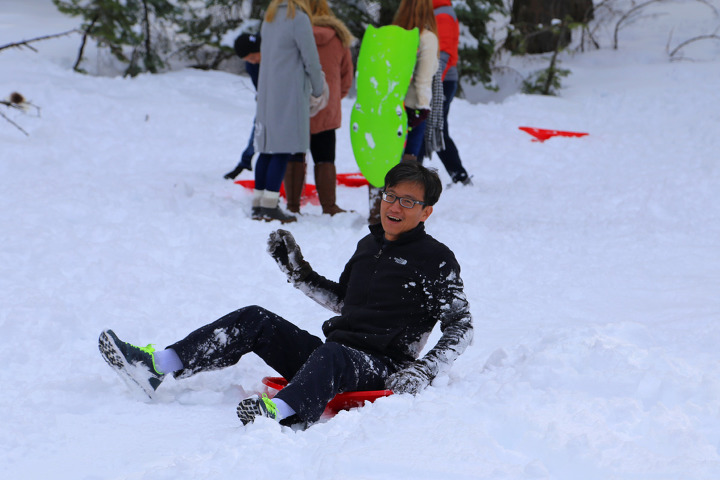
x=391 y=295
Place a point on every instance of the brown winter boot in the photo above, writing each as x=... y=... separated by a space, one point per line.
x=374 y=199
x=326 y=181
x=294 y=184
x=409 y=158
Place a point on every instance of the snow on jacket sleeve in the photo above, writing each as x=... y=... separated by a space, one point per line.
x=325 y=292
x=453 y=312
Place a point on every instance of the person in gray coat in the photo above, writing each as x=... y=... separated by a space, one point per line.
x=289 y=74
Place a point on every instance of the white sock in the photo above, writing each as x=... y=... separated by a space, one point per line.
x=167 y=361
x=283 y=409
x=270 y=199
x=257 y=195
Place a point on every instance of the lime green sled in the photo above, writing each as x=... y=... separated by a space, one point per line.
x=378 y=122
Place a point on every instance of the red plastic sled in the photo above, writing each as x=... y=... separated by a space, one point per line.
x=352 y=179
x=310 y=192
x=342 y=401
x=542 y=134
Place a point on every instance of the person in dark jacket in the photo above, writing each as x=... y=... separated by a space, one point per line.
x=247 y=47
x=397 y=286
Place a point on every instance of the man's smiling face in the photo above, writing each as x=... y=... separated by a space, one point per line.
x=397 y=219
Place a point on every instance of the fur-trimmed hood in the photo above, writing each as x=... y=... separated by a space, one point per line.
x=346 y=38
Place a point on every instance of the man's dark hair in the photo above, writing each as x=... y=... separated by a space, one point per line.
x=415 y=173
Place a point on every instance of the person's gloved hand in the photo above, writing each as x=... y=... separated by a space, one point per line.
x=416 y=116
x=287 y=254
x=411 y=379
x=318 y=103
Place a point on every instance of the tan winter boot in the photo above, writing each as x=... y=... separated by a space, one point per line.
x=294 y=184
x=326 y=181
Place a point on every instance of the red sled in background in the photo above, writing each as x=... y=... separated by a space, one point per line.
x=542 y=134
x=309 y=193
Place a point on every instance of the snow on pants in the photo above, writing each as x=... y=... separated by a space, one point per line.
x=316 y=371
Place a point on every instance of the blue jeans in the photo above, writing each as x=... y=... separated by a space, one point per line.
x=270 y=170
x=450 y=156
x=415 y=139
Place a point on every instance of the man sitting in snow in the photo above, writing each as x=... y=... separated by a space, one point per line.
x=398 y=284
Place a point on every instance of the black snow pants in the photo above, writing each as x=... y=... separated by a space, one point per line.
x=316 y=371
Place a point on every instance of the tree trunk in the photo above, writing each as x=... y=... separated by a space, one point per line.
x=532 y=20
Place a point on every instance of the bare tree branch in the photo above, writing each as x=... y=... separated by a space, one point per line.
x=13 y=123
x=81 y=51
x=695 y=39
x=26 y=43
x=17 y=101
x=627 y=15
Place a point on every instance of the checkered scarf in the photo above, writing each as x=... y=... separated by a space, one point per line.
x=434 y=124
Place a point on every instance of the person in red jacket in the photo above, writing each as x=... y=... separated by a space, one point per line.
x=333 y=40
x=449 y=38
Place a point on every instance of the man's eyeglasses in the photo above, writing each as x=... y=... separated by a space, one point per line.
x=404 y=201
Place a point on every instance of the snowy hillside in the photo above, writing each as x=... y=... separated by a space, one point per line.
x=592 y=267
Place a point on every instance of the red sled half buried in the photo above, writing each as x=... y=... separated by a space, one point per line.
x=542 y=134
x=342 y=401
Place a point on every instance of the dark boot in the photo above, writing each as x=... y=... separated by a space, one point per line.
x=245 y=164
x=326 y=182
x=294 y=185
x=374 y=199
x=270 y=209
x=234 y=173
x=269 y=214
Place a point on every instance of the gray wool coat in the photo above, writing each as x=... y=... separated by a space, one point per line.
x=289 y=72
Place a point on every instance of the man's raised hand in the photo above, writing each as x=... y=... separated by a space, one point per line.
x=283 y=248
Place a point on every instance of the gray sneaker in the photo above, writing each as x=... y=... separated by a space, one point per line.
x=135 y=365
x=255 y=406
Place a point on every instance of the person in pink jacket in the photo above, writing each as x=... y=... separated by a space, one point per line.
x=333 y=40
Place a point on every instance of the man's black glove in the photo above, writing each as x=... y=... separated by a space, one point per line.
x=287 y=254
x=416 y=117
x=411 y=379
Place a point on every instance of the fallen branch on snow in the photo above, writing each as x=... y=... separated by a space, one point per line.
x=18 y=102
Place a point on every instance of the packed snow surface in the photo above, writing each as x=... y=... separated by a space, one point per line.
x=592 y=267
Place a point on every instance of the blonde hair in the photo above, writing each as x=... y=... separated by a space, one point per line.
x=416 y=14
x=320 y=7
x=292 y=5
